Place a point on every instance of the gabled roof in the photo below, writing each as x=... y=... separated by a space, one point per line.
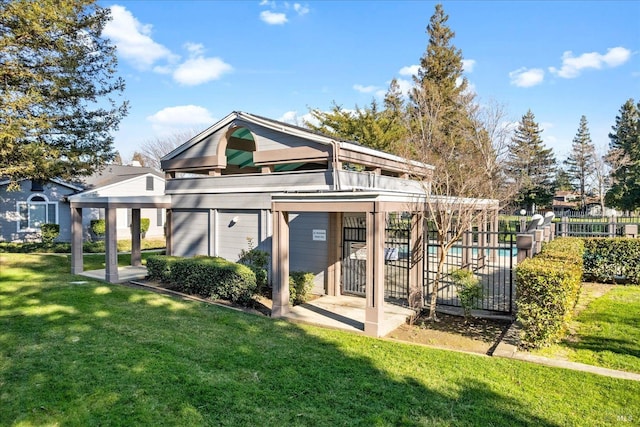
x=73 y=186
x=291 y=130
x=113 y=174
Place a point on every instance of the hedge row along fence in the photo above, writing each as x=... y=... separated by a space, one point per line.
x=612 y=260
x=208 y=277
x=548 y=287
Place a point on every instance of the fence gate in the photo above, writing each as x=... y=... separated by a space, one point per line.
x=490 y=255
x=396 y=254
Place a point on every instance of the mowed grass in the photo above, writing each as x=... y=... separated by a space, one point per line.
x=606 y=333
x=98 y=354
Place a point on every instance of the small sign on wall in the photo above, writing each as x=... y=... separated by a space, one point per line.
x=319 y=235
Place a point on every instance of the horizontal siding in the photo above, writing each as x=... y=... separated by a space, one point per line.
x=267 y=183
x=246 y=201
x=8 y=209
x=134 y=187
x=305 y=253
x=232 y=237
x=204 y=148
x=190 y=233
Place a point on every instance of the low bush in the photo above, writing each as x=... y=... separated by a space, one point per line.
x=49 y=232
x=159 y=267
x=300 y=284
x=468 y=287
x=612 y=260
x=258 y=261
x=144 y=225
x=548 y=287
x=213 y=277
x=98 y=227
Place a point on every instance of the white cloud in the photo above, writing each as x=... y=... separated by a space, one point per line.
x=365 y=89
x=195 y=71
x=523 y=77
x=273 y=18
x=468 y=64
x=300 y=9
x=171 y=119
x=195 y=49
x=410 y=70
x=573 y=65
x=293 y=118
x=405 y=86
x=133 y=39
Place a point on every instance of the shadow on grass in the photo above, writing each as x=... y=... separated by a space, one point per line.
x=121 y=356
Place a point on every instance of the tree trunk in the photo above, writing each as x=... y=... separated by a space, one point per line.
x=436 y=283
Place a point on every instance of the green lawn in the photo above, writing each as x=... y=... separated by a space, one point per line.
x=607 y=332
x=98 y=354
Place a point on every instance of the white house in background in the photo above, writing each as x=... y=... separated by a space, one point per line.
x=22 y=212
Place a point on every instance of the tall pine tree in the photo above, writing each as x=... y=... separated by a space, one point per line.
x=58 y=82
x=530 y=166
x=581 y=161
x=624 y=159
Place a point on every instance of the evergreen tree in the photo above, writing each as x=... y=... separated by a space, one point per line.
x=58 y=79
x=563 y=181
x=371 y=126
x=440 y=85
x=530 y=165
x=581 y=161
x=624 y=159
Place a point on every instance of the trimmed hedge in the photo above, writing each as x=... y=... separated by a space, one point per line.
x=548 y=287
x=159 y=267
x=208 y=277
x=612 y=260
x=49 y=232
x=300 y=283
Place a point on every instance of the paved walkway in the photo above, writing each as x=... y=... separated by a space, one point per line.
x=508 y=349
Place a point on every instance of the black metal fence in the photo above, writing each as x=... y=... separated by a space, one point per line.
x=396 y=254
x=490 y=255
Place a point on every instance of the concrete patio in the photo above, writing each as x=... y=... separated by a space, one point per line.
x=125 y=274
x=346 y=313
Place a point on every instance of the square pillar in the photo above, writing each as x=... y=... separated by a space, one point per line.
x=168 y=231
x=494 y=241
x=416 y=266
x=374 y=287
x=280 y=264
x=77 y=262
x=334 y=272
x=111 y=245
x=136 y=259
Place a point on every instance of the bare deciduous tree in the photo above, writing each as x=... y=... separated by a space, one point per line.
x=152 y=150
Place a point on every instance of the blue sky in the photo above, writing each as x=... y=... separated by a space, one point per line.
x=188 y=64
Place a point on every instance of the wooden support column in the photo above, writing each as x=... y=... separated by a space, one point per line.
x=493 y=239
x=416 y=266
x=77 y=262
x=168 y=231
x=374 y=287
x=482 y=239
x=111 y=245
x=334 y=272
x=280 y=264
x=136 y=259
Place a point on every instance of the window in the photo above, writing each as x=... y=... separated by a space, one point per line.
x=37 y=210
x=160 y=217
x=149 y=183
